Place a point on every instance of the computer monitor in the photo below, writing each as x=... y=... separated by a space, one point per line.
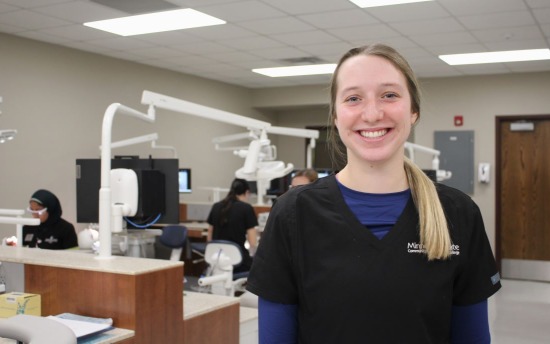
x=158 y=189
x=184 y=180
x=323 y=173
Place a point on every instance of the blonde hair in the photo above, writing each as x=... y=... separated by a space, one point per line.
x=434 y=230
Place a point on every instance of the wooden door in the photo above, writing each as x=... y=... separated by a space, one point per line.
x=523 y=198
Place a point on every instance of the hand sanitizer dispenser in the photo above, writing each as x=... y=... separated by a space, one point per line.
x=484 y=172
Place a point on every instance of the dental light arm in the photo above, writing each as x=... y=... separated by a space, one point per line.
x=251 y=163
x=182 y=106
x=105 y=199
x=310 y=134
x=13 y=216
x=440 y=174
x=259 y=148
x=142 y=139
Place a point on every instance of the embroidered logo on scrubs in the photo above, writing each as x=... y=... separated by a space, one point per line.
x=495 y=278
x=51 y=240
x=413 y=247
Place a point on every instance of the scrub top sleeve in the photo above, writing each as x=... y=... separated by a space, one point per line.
x=479 y=277
x=251 y=219
x=210 y=218
x=272 y=276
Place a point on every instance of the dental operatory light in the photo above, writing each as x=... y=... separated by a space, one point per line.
x=276 y=72
x=156 y=22
x=377 y=3
x=497 y=56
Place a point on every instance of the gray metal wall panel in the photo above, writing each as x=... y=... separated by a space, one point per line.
x=457 y=156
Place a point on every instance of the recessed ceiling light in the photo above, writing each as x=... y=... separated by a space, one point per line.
x=156 y=22
x=377 y=3
x=497 y=56
x=297 y=70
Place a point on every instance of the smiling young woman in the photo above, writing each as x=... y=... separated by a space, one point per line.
x=376 y=253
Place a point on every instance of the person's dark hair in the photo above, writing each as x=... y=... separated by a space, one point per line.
x=238 y=187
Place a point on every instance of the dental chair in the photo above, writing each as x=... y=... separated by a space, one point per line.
x=222 y=257
x=175 y=238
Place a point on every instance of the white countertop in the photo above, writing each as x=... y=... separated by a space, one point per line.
x=195 y=304
x=75 y=259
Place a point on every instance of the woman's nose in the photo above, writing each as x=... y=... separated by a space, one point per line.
x=372 y=112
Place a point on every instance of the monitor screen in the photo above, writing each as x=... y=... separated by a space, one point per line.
x=320 y=172
x=323 y=173
x=158 y=189
x=184 y=178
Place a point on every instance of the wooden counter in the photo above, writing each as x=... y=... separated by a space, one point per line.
x=144 y=295
x=211 y=319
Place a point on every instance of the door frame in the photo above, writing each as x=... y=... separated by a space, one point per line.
x=498 y=176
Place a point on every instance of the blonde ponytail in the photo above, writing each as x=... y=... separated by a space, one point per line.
x=434 y=231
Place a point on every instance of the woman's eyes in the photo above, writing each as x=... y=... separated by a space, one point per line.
x=390 y=95
x=352 y=99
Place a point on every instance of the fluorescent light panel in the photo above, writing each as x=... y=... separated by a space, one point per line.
x=156 y=22
x=377 y=3
x=297 y=70
x=497 y=56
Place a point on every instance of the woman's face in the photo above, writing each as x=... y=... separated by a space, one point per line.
x=373 y=110
x=38 y=211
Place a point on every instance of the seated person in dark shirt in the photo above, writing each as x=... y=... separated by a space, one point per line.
x=234 y=219
x=53 y=232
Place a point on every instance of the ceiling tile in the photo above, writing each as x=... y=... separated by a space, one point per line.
x=79 y=12
x=32 y=3
x=543 y=15
x=295 y=7
x=235 y=12
x=374 y=32
x=30 y=20
x=349 y=18
x=252 y=43
x=276 y=25
x=444 y=39
x=408 y=12
x=477 y=7
x=508 y=34
x=307 y=37
x=437 y=25
x=496 y=20
x=260 y=33
x=77 y=32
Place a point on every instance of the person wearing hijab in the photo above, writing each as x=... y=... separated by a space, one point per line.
x=53 y=232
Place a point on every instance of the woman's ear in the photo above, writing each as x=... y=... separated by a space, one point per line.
x=414 y=118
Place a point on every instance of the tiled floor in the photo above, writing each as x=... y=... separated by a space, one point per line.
x=520 y=313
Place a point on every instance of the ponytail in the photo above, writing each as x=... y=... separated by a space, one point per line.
x=434 y=231
x=238 y=187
